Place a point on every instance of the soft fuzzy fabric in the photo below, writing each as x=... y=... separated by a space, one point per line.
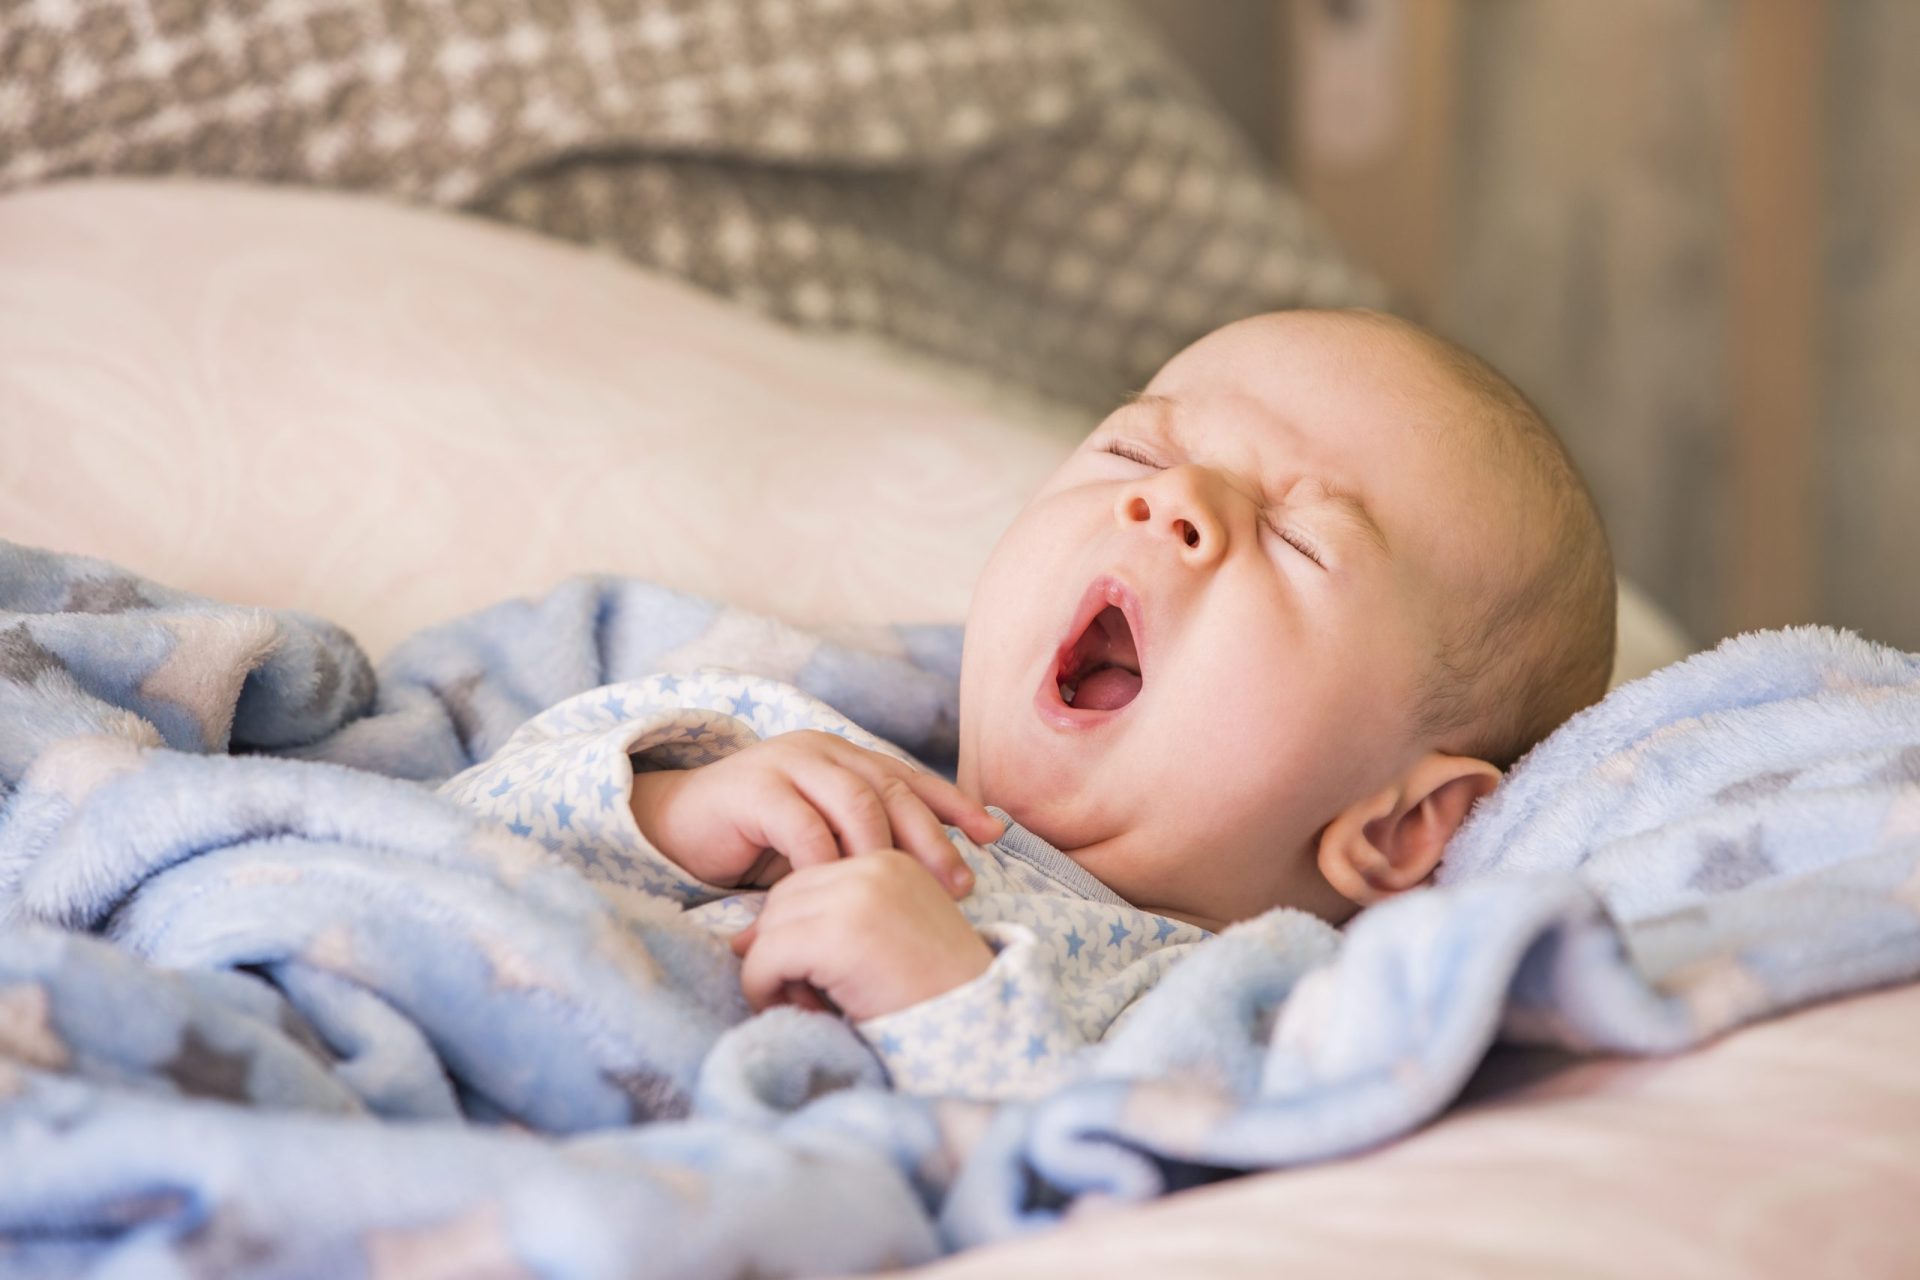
x=263 y=1014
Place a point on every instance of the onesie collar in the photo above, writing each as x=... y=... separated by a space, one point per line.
x=1021 y=843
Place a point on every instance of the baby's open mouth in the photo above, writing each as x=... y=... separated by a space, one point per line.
x=1100 y=670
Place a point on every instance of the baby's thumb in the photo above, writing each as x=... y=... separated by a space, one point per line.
x=986 y=828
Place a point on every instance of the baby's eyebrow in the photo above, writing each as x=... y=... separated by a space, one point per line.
x=1158 y=409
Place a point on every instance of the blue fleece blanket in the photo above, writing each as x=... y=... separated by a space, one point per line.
x=269 y=1006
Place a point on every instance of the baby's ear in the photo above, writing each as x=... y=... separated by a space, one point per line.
x=1393 y=839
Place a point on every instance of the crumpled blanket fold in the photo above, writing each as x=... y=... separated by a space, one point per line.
x=271 y=1006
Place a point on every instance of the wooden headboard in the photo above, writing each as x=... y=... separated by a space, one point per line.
x=1360 y=102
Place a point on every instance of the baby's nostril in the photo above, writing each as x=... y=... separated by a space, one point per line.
x=1191 y=534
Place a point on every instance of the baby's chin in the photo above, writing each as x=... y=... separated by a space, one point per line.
x=1049 y=798
x=1063 y=787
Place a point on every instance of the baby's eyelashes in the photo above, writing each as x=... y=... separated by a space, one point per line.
x=1121 y=449
x=1299 y=541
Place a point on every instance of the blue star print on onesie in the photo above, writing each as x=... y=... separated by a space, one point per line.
x=1070 y=956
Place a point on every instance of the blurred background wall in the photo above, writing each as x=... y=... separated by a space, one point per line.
x=1689 y=229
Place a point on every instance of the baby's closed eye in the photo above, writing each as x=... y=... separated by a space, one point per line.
x=1287 y=533
x=1121 y=449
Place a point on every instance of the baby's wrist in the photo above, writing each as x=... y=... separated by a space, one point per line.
x=965 y=963
x=937 y=974
x=940 y=976
x=649 y=800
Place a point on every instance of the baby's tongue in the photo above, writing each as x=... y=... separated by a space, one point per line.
x=1105 y=689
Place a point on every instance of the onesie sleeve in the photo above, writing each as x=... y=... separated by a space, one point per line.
x=1013 y=1032
x=565 y=780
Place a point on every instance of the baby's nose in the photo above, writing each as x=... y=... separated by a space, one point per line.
x=1172 y=501
x=1141 y=512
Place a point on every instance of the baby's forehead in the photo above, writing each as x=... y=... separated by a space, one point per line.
x=1440 y=445
x=1330 y=332
x=1292 y=360
x=1350 y=413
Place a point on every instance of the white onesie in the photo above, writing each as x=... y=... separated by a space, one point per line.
x=1070 y=955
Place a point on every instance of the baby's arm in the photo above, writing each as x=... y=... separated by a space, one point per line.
x=575 y=780
x=803 y=800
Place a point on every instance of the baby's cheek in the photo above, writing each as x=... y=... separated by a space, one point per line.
x=1252 y=749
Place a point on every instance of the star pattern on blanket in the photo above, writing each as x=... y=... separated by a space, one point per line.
x=202 y=1069
x=1902 y=767
x=22 y=658
x=1730 y=863
x=204 y=670
x=650 y=1095
x=27 y=1033
x=1758 y=787
x=326 y=679
x=115 y=593
x=227 y=1244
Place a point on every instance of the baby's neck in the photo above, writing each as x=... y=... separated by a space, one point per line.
x=1075 y=856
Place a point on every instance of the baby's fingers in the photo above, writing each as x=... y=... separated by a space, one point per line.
x=848 y=802
x=949 y=804
x=981 y=826
x=917 y=831
x=774 y=963
x=799 y=994
x=789 y=824
x=947 y=801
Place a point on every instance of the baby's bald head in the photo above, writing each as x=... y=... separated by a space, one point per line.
x=1522 y=652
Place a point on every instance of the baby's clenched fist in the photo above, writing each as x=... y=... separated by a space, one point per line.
x=872 y=934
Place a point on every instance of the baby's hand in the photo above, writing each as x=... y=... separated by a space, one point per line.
x=800 y=800
x=873 y=934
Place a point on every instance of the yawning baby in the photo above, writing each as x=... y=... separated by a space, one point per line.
x=1260 y=643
